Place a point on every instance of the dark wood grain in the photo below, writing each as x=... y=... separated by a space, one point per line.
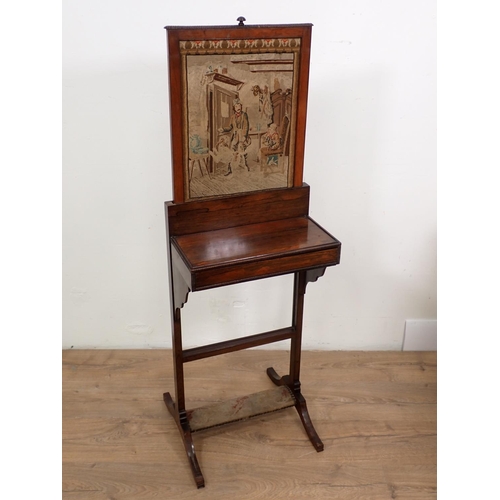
x=216 y=258
x=253 y=241
x=177 y=124
x=230 y=211
x=233 y=345
x=303 y=84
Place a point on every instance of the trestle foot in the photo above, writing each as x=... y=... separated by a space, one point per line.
x=300 y=406
x=276 y=379
x=187 y=439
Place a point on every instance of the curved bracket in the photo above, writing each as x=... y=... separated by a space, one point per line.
x=312 y=275
x=180 y=289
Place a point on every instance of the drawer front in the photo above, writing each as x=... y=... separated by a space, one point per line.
x=247 y=271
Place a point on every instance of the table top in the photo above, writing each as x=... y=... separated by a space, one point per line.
x=242 y=253
x=254 y=242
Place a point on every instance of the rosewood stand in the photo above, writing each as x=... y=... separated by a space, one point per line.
x=240 y=238
x=240 y=221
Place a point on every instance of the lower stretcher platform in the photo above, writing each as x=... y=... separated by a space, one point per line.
x=241 y=408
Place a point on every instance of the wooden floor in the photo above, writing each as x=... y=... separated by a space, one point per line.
x=375 y=412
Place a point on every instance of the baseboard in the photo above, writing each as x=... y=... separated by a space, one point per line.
x=420 y=335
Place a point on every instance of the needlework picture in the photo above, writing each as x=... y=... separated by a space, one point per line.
x=240 y=111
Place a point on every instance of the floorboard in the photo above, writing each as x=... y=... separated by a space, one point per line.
x=374 y=411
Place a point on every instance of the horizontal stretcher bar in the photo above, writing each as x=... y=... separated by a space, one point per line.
x=237 y=344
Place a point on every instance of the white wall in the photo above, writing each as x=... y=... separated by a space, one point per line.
x=370 y=162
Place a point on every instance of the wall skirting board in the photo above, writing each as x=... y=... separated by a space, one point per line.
x=420 y=335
